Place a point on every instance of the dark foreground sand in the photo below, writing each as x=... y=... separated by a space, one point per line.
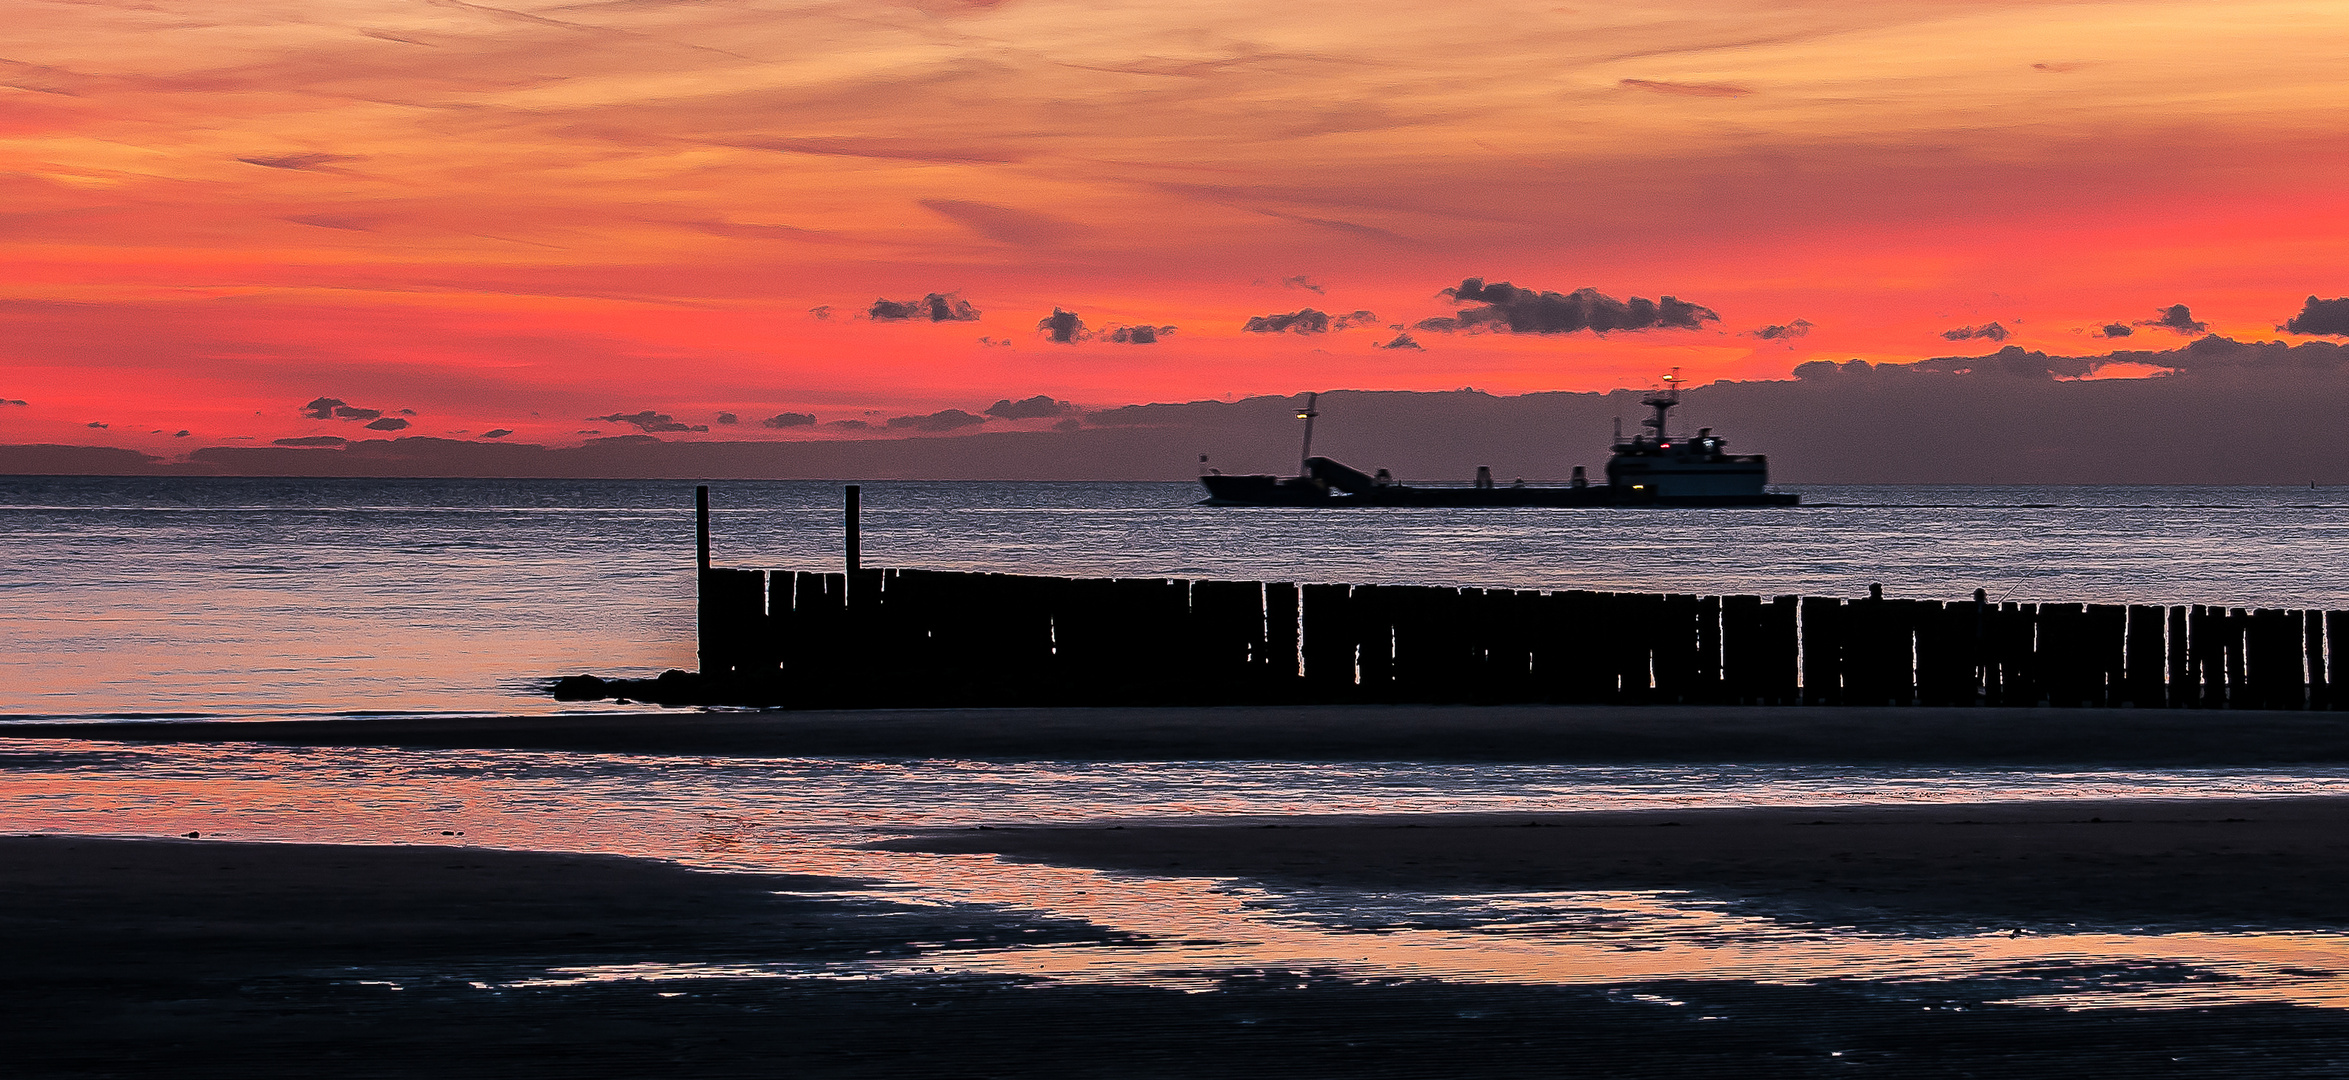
x=1596 y=734
x=2202 y=864
x=203 y=959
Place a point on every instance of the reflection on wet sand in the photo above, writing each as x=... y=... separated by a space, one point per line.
x=1191 y=926
x=1199 y=930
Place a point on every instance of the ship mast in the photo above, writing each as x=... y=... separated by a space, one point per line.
x=1662 y=401
x=1307 y=414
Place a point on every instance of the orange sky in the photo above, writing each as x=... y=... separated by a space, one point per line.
x=520 y=217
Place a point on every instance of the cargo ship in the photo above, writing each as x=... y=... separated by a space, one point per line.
x=1652 y=468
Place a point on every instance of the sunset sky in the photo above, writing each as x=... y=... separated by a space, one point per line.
x=450 y=219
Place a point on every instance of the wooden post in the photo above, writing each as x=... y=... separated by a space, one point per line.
x=1328 y=644
x=1673 y=636
x=1744 y=657
x=1282 y=658
x=2337 y=659
x=2178 y=693
x=2022 y=672
x=1374 y=633
x=2145 y=659
x=1822 y=640
x=1983 y=681
x=1581 y=668
x=2319 y=678
x=701 y=524
x=2202 y=643
x=1708 y=686
x=2234 y=624
x=856 y=553
x=2108 y=660
x=1785 y=650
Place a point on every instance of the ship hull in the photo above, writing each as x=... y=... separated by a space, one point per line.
x=1292 y=491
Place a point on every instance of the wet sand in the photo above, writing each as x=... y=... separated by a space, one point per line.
x=1583 y=734
x=202 y=959
x=199 y=958
x=2159 y=865
x=76 y=906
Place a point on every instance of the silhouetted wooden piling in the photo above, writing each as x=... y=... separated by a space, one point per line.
x=852 y=515
x=1782 y=650
x=934 y=638
x=1328 y=641
x=1945 y=653
x=2236 y=627
x=2179 y=693
x=2145 y=668
x=1744 y=657
x=701 y=526
x=2313 y=644
x=1822 y=637
x=2336 y=659
x=916 y=637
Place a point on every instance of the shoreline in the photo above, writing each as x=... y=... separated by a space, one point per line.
x=1582 y=734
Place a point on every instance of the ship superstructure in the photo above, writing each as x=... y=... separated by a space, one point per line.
x=1653 y=468
x=1689 y=467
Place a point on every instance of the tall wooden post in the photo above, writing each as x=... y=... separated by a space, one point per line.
x=856 y=554
x=701 y=524
x=705 y=630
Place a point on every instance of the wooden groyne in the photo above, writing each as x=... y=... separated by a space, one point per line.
x=934 y=638
x=913 y=638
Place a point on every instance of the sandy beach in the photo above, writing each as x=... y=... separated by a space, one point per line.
x=1591 y=734
x=201 y=959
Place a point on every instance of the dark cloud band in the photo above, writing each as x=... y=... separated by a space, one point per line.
x=649 y=421
x=934 y=307
x=1989 y=331
x=1505 y=308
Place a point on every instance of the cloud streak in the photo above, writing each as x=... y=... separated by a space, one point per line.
x=941 y=421
x=934 y=307
x=1505 y=308
x=1036 y=408
x=1004 y=224
x=1681 y=89
x=1136 y=335
x=649 y=422
x=1989 y=331
x=1782 y=331
x=1306 y=321
x=313 y=162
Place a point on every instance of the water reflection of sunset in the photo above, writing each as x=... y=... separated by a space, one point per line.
x=817 y=816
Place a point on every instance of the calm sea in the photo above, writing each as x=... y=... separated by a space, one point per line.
x=250 y=598
x=272 y=597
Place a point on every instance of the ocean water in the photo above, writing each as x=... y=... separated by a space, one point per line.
x=276 y=597
x=131 y=598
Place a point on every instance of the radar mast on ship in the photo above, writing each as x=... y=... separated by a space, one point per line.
x=1662 y=401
